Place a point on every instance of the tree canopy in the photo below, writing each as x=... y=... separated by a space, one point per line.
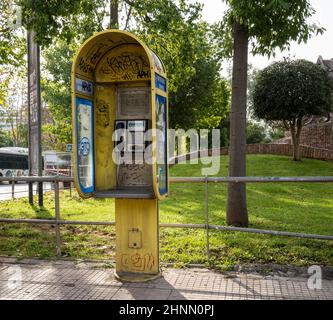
x=5 y=139
x=199 y=96
x=270 y=24
x=290 y=92
x=62 y=19
x=12 y=43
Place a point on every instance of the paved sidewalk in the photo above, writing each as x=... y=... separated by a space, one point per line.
x=69 y=281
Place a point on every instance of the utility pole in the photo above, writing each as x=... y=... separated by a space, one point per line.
x=35 y=115
x=114 y=18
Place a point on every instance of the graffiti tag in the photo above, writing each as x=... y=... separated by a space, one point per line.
x=127 y=66
x=138 y=262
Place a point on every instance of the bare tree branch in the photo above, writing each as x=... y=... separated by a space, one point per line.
x=4 y=30
x=129 y=12
x=328 y=118
x=307 y=121
x=286 y=125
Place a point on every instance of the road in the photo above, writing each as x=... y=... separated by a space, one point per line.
x=21 y=190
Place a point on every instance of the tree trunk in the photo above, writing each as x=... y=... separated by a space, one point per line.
x=114 y=20
x=236 y=208
x=295 y=132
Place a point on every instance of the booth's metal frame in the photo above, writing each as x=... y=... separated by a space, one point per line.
x=154 y=91
x=133 y=216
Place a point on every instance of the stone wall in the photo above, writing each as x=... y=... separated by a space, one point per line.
x=270 y=148
x=287 y=150
x=318 y=135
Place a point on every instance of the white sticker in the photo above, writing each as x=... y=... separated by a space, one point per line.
x=84 y=86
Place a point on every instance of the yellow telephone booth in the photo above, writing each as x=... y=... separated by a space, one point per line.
x=120 y=123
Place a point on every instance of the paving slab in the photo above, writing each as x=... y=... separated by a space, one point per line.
x=64 y=280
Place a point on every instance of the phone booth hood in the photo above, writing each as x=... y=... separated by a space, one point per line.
x=118 y=81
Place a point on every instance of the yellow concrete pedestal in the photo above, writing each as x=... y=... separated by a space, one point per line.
x=137 y=240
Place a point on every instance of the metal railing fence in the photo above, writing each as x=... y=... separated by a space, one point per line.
x=207 y=226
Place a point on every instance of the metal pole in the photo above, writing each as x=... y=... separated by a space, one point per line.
x=39 y=134
x=40 y=194
x=34 y=109
x=273 y=232
x=70 y=174
x=175 y=225
x=207 y=219
x=39 y=179
x=30 y=185
x=313 y=179
x=57 y=218
x=31 y=193
x=316 y=179
x=61 y=222
x=13 y=190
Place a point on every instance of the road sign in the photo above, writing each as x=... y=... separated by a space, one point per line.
x=69 y=147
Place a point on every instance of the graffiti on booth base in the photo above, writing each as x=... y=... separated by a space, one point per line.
x=133 y=174
x=138 y=262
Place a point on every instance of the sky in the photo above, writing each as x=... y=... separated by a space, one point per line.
x=318 y=45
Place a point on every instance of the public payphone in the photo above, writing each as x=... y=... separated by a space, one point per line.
x=119 y=102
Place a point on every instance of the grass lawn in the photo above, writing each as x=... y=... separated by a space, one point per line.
x=302 y=207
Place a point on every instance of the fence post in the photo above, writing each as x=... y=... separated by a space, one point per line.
x=207 y=219
x=70 y=174
x=31 y=192
x=57 y=217
x=13 y=190
x=70 y=189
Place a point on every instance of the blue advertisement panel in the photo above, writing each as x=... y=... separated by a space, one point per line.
x=85 y=144
x=161 y=144
x=160 y=82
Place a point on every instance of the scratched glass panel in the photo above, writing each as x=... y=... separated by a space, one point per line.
x=134 y=102
x=161 y=144
x=85 y=145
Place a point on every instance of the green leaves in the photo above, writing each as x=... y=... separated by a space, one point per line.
x=62 y=19
x=289 y=90
x=201 y=102
x=12 y=41
x=271 y=24
x=5 y=139
x=56 y=90
x=198 y=96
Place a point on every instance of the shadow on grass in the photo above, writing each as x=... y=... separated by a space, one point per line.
x=41 y=212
